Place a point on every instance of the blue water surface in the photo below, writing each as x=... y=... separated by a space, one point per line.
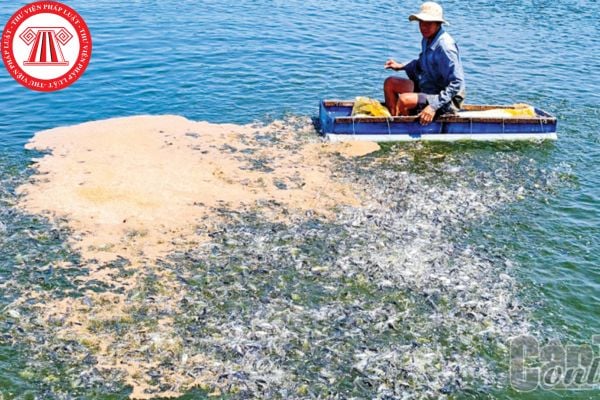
x=244 y=61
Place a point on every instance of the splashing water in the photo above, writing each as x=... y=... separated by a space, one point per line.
x=380 y=297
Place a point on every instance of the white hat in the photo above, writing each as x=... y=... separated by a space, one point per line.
x=429 y=12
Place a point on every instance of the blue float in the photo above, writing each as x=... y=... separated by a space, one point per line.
x=338 y=124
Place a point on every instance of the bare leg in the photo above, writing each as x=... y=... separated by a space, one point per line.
x=406 y=103
x=392 y=88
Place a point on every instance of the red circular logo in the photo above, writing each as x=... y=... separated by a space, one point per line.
x=46 y=46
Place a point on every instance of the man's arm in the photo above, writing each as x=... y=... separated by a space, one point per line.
x=393 y=65
x=411 y=70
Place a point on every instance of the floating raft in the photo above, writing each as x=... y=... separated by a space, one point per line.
x=338 y=124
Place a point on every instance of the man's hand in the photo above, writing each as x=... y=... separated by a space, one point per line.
x=426 y=116
x=391 y=64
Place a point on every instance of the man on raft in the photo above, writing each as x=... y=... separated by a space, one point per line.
x=436 y=83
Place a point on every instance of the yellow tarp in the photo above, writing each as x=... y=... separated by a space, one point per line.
x=366 y=107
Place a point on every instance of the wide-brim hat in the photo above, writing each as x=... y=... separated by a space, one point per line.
x=429 y=12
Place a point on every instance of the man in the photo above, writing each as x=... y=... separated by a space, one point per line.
x=436 y=82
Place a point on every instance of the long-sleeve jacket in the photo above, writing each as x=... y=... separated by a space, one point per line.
x=438 y=72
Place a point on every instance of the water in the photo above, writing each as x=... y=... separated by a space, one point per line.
x=243 y=61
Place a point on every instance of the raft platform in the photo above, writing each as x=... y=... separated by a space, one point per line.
x=338 y=125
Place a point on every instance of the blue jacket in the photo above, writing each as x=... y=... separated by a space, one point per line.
x=438 y=72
